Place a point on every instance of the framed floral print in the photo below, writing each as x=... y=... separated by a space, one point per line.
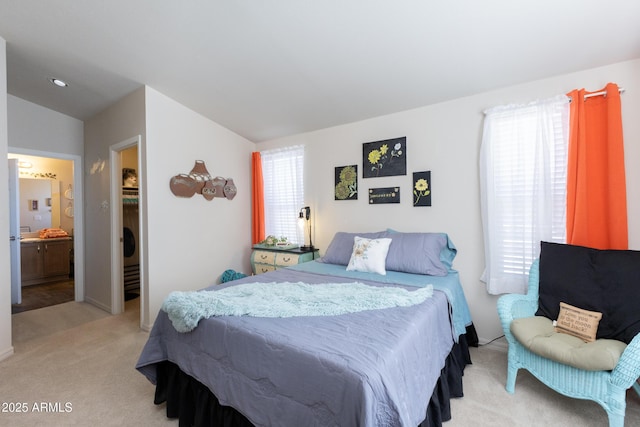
x=422 y=188
x=346 y=183
x=384 y=158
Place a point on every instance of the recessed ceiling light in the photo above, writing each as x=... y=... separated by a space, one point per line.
x=58 y=82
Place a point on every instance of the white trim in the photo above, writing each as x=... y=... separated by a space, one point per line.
x=98 y=304
x=496 y=344
x=6 y=354
x=117 y=290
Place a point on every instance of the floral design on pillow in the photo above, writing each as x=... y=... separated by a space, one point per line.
x=360 y=250
x=369 y=255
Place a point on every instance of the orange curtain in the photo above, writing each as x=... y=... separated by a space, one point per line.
x=257 y=231
x=596 y=189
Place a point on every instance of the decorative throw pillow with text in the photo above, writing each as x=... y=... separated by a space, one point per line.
x=578 y=322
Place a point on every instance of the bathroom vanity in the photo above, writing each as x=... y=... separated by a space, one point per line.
x=45 y=260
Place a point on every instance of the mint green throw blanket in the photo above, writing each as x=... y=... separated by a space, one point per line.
x=186 y=309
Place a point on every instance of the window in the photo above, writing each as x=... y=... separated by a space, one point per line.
x=523 y=176
x=283 y=177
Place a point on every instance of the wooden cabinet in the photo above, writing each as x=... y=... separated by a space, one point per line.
x=264 y=260
x=45 y=260
x=56 y=258
x=32 y=261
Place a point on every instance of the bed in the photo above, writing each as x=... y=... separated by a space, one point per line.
x=395 y=366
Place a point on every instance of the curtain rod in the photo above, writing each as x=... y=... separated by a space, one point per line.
x=602 y=92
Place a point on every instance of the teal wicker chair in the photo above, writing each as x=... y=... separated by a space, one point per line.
x=607 y=388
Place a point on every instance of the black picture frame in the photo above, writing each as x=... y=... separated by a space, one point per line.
x=378 y=196
x=387 y=157
x=346 y=183
x=422 y=188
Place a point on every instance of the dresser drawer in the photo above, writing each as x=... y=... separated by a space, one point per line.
x=286 y=259
x=265 y=260
x=264 y=257
x=263 y=268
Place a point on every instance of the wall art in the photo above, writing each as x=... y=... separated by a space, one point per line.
x=384 y=195
x=384 y=158
x=49 y=175
x=346 y=183
x=129 y=177
x=422 y=188
x=200 y=181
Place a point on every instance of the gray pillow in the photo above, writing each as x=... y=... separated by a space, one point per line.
x=420 y=253
x=341 y=247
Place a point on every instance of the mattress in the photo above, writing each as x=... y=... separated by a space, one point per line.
x=371 y=368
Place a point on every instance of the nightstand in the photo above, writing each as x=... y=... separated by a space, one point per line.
x=264 y=259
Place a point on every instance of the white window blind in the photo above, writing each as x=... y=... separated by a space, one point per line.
x=283 y=176
x=523 y=175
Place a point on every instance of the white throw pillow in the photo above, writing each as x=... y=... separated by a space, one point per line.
x=369 y=255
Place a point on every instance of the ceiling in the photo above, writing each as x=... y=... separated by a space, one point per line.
x=266 y=69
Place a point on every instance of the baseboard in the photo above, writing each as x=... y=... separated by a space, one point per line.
x=496 y=343
x=6 y=353
x=98 y=304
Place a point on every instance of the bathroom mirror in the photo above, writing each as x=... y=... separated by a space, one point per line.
x=35 y=204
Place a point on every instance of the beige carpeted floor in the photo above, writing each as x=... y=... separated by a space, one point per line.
x=486 y=402
x=78 y=361
x=74 y=366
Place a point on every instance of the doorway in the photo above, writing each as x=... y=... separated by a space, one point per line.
x=130 y=223
x=50 y=186
x=126 y=209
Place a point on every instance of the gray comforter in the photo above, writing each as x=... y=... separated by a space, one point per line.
x=372 y=368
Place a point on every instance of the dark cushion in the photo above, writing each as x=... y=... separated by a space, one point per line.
x=607 y=281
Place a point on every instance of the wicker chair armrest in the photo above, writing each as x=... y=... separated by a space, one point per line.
x=627 y=371
x=515 y=306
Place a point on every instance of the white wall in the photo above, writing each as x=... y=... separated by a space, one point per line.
x=192 y=241
x=6 y=349
x=38 y=131
x=445 y=139
x=122 y=121
x=188 y=242
x=38 y=128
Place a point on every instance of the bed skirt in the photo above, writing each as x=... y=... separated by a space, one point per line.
x=195 y=405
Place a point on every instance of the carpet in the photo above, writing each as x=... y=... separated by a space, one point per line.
x=487 y=403
x=78 y=354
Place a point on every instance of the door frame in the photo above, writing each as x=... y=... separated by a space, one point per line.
x=14 y=232
x=78 y=214
x=117 y=267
